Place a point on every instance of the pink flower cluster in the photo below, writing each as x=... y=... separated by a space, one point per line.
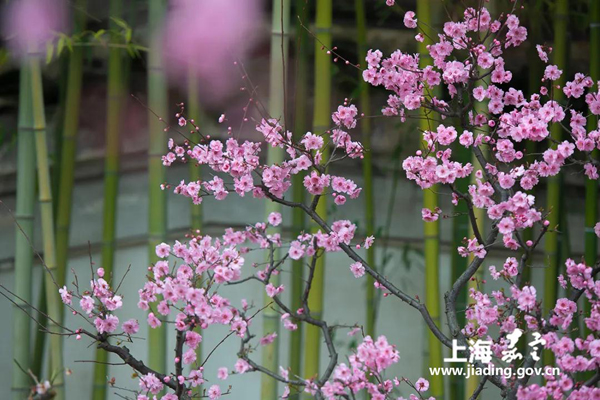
x=372 y=358
x=240 y=162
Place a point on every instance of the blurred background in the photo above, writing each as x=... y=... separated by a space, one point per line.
x=109 y=69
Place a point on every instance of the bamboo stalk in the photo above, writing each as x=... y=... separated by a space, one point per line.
x=477 y=283
x=193 y=107
x=157 y=204
x=535 y=72
x=45 y=198
x=23 y=253
x=280 y=24
x=431 y=229
x=365 y=125
x=480 y=215
x=298 y=223
x=460 y=230
x=553 y=191
x=69 y=147
x=114 y=106
x=57 y=133
x=39 y=342
x=591 y=186
x=591 y=193
x=321 y=121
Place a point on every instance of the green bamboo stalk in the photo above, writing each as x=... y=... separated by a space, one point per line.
x=69 y=147
x=157 y=204
x=553 y=191
x=23 y=253
x=280 y=23
x=321 y=121
x=193 y=108
x=365 y=126
x=473 y=381
x=460 y=230
x=431 y=229
x=114 y=106
x=39 y=342
x=591 y=186
x=535 y=72
x=63 y=167
x=477 y=283
x=480 y=215
x=45 y=199
x=298 y=223
x=57 y=133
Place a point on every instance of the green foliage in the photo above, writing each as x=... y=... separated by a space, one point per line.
x=121 y=37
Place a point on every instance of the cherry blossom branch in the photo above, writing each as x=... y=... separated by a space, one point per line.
x=479 y=388
x=124 y=354
x=422 y=308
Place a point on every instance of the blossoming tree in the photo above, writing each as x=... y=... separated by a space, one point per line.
x=468 y=63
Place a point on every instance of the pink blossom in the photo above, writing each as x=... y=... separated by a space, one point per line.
x=87 y=304
x=241 y=366
x=192 y=339
x=131 y=326
x=206 y=37
x=274 y=218
x=428 y=215
x=552 y=73
x=162 y=250
x=214 y=392
x=150 y=383
x=196 y=377
x=29 y=24
x=526 y=298
x=409 y=19
x=189 y=356
x=422 y=385
x=268 y=339
x=222 y=373
x=65 y=295
x=153 y=321
x=358 y=270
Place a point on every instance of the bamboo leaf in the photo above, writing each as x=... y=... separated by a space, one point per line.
x=49 y=52
x=131 y=51
x=99 y=33
x=60 y=46
x=121 y=23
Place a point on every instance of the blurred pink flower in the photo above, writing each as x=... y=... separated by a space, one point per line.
x=205 y=37
x=29 y=24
